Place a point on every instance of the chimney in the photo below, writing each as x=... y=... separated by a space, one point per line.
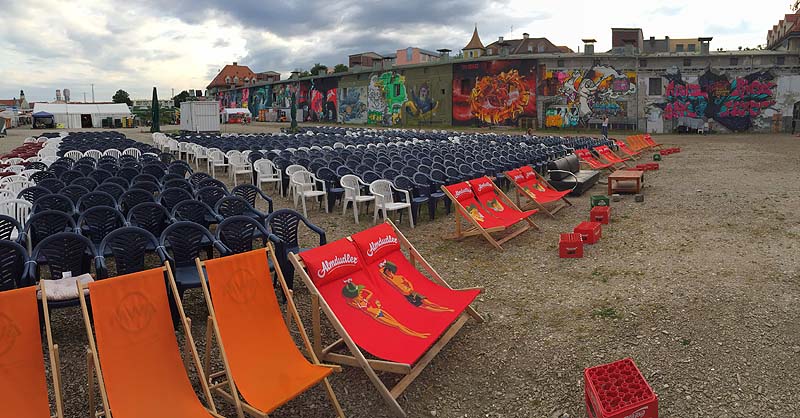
x=705 y=45
x=525 y=36
x=588 y=46
x=234 y=63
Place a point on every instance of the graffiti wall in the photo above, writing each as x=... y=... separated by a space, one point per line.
x=494 y=92
x=386 y=96
x=352 y=104
x=260 y=98
x=596 y=92
x=233 y=98
x=323 y=100
x=736 y=103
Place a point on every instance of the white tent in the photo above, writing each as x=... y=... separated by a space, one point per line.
x=227 y=112
x=69 y=114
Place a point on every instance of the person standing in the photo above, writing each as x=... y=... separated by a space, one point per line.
x=604 y=130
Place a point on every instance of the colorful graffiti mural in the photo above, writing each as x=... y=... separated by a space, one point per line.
x=494 y=92
x=386 y=95
x=421 y=106
x=322 y=99
x=734 y=103
x=598 y=91
x=352 y=104
x=259 y=98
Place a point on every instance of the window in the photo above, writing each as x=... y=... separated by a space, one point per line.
x=679 y=48
x=344 y=92
x=643 y=63
x=409 y=54
x=734 y=61
x=781 y=61
x=530 y=49
x=687 y=62
x=227 y=80
x=541 y=48
x=560 y=63
x=691 y=47
x=469 y=54
x=442 y=92
x=236 y=80
x=654 y=86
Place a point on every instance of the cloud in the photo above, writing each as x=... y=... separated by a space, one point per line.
x=668 y=10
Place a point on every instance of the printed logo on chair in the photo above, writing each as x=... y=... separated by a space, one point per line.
x=8 y=334
x=380 y=243
x=335 y=263
x=495 y=205
x=484 y=185
x=359 y=297
x=135 y=312
x=475 y=213
x=462 y=192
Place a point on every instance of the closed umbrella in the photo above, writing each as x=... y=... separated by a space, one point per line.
x=155 y=127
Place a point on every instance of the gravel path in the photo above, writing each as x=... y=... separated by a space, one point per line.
x=696 y=284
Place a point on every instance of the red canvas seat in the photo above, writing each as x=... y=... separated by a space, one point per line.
x=531 y=186
x=650 y=142
x=627 y=150
x=587 y=157
x=608 y=155
x=465 y=198
x=378 y=302
x=496 y=202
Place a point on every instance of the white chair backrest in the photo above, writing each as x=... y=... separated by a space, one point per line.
x=16 y=186
x=16 y=169
x=294 y=168
x=352 y=185
x=33 y=159
x=382 y=189
x=18 y=209
x=305 y=179
x=216 y=156
x=27 y=173
x=132 y=152
x=266 y=168
x=47 y=152
x=6 y=194
x=14 y=160
x=200 y=151
x=93 y=153
x=74 y=154
x=50 y=159
x=113 y=152
x=172 y=145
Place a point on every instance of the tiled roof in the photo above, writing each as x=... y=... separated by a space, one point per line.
x=232 y=71
x=475 y=42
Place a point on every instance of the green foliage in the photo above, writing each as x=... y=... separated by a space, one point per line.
x=340 y=68
x=122 y=96
x=182 y=97
x=606 y=312
x=318 y=69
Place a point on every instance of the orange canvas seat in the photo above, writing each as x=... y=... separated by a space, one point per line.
x=378 y=302
x=627 y=150
x=483 y=221
x=136 y=356
x=260 y=357
x=650 y=142
x=530 y=185
x=23 y=381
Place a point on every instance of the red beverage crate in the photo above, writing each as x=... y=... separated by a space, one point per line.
x=664 y=152
x=652 y=166
x=676 y=150
x=570 y=246
x=618 y=390
x=600 y=214
x=642 y=167
x=590 y=231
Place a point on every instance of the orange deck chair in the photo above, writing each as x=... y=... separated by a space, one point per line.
x=651 y=142
x=589 y=159
x=379 y=303
x=482 y=222
x=261 y=361
x=636 y=143
x=23 y=380
x=135 y=354
x=607 y=154
x=627 y=150
x=531 y=185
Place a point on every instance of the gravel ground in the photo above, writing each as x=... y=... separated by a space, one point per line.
x=694 y=284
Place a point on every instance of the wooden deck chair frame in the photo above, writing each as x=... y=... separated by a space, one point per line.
x=212 y=329
x=474 y=228
x=520 y=193
x=615 y=164
x=52 y=353
x=356 y=358
x=93 y=360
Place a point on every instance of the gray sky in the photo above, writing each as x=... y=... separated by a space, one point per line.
x=181 y=44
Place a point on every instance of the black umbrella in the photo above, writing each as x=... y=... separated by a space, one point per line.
x=154 y=127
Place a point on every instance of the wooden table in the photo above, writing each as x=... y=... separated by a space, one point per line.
x=625 y=175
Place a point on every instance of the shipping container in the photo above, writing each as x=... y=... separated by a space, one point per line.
x=200 y=116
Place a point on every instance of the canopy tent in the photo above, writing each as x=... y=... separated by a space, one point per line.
x=234 y=114
x=43 y=120
x=70 y=115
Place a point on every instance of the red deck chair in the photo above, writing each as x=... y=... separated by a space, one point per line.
x=608 y=155
x=482 y=222
x=627 y=150
x=588 y=158
x=532 y=186
x=650 y=142
x=378 y=302
x=23 y=382
x=259 y=357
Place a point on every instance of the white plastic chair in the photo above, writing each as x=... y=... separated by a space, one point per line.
x=16 y=169
x=27 y=173
x=74 y=154
x=216 y=159
x=308 y=185
x=185 y=148
x=16 y=186
x=352 y=193
x=290 y=170
x=18 y=209
x=268 y=172
x=6 y=194
x=93 y=153
x=132 y=152
x=200 y=153
x=113 y=153
x=383 y=190
x=239 y=165
x=172 y=146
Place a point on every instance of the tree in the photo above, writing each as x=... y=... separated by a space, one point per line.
x=318 y=69
x=122 y=96
x=181 y=97
x=304 y=74
x=340 y=68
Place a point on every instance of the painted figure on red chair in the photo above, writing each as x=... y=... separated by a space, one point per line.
x=359 y=297
x=388 y=271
